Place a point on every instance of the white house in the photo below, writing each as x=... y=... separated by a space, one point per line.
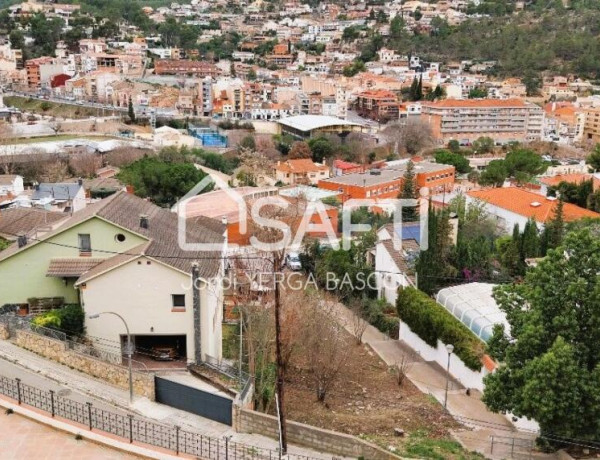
x=11 y=184
x=395 y=250
x=513 y=205
x=68 y=197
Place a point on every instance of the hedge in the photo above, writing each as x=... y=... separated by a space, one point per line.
x=432 y=322
x=68 y=319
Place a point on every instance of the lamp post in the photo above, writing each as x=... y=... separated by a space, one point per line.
x=449 y=349
x=129 y=351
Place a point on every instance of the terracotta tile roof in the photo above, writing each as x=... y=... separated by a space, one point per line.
x=300 y=166
x=341 y=164
x=7 y=179
x=124 y=210
x=476 y=103
x=575 y=178
x=72 y=267
x=26 y=220
x=529 y=204
x=488 y=363
x=113 y=262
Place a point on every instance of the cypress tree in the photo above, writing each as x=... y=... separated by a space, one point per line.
x=420 y=89
x=409 y=213
x=130 y=111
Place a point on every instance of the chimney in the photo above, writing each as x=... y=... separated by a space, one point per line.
x=143 y=221
x=21 y=240
x=80 y=181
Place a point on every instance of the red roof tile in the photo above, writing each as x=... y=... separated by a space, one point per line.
x=529 y=204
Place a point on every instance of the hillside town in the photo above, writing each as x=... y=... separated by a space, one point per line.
x=270 y=229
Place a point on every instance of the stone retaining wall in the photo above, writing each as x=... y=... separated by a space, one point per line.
x=248 y=421
x=143 y=384
x=4 y=334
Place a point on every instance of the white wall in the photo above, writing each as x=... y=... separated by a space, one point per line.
x=505 y=219
x=387 y=283
x=458 y=370
x=141 y=293
x=467 y=377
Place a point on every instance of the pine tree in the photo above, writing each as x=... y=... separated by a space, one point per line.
x=130 y=111
x=409 y=213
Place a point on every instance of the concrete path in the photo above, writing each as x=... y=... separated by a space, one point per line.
x=430 y=378
x=46 y=374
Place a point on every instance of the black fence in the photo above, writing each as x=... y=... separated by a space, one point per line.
x=135 y=429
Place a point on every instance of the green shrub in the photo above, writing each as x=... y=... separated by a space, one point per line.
x=68 y=319
x=381 y=314
x=432 y=322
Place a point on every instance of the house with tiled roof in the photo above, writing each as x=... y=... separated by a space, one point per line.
x=514 y=205
x=394 y=255
x=124 y=254
x=552 y=181
x=302 y=171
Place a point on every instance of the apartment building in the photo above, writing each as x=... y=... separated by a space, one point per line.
x=589 y=125
x=185 y=67
x=387 y=183
x=41 y=70
x=507 y=120
x=379 y=105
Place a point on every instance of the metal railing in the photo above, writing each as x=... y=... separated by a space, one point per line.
x=24 y=323
x=511 y=446
x=135 y=429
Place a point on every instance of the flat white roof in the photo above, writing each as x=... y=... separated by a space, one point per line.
x=310 y=122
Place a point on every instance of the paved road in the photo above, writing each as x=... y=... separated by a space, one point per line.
x=46 y=374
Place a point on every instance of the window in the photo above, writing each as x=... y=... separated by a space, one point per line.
x=85 y=243
x=178 y=302
x=119 y=237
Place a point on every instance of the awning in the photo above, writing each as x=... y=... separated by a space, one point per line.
x=71 y=267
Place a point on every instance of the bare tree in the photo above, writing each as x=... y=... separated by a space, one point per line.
x=85 y=164
x=359 y=322
x=401 y=368
x=326 y=345
x=123 y=156
x=411 y=137
x=55 y=126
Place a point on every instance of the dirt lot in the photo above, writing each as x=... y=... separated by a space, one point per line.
x=367 y=402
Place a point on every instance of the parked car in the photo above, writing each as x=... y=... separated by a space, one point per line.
x=292 y=261
x=164 y=353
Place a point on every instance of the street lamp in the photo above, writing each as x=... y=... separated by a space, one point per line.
x=449 y=349
x=129 y=350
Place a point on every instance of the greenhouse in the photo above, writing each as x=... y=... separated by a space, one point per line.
x=474 y=306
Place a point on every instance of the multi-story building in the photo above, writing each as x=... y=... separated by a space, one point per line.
x=588 y=125
x=378 y=105
x=41 y=70
x=508 y=120
x=184 y=67
x=387 y=183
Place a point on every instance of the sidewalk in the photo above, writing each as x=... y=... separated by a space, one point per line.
x=430 y=378
x=118 y=400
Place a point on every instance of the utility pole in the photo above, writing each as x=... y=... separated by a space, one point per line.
x=279 y=355
x=196 y=309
